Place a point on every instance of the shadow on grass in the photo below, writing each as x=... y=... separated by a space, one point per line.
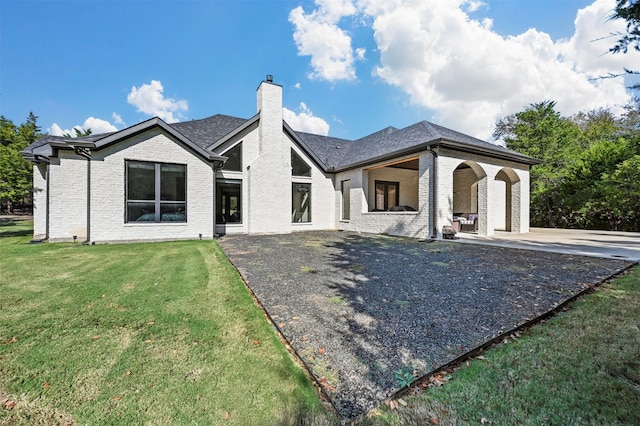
x=15 y=227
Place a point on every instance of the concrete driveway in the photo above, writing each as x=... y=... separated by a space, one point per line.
x=606 y=244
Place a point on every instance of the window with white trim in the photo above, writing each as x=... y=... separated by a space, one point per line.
x=155 y=192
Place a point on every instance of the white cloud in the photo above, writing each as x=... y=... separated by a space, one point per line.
x=117 y=119
x=96 y=125
x=305 y=121
x=471 y=75
x=466 y=72
x=56 y=130
x=149 y=99
x=297 y=86
x=318 y=35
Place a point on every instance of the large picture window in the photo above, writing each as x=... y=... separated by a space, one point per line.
x=228 y=201
x=156 y=192
x=301 y=202
x=387 y=195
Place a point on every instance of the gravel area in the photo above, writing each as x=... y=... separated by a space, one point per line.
x=357 y=308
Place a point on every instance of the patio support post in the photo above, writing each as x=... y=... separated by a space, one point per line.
x=434 y=195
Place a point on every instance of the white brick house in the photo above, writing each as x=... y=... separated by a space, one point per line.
x=223 y=175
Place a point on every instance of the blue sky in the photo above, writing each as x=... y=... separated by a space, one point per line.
x=347 y=67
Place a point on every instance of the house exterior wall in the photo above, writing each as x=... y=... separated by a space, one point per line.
x=269 y=172
x=40 y=201
x=410 y=224
x=322 y=197
x=266 y=176
x=87 y=198
x=108 y=190
x=68 y=197
x=407 y=179
x=490 y=199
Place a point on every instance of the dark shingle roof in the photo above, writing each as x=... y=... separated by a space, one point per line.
x=331 y=153
x=342 y=154
x=208 y=130
x=327 y=149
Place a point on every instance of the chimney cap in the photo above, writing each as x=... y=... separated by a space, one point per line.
x=269 y=78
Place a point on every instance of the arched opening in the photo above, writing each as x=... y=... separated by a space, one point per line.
x=469 y=210
x=507 y=195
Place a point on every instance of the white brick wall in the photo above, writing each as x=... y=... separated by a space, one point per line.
x=68 y=197
x=108 y=190
x=490 y=196
x=39 y=201
x=416 y=185
x=266 y=176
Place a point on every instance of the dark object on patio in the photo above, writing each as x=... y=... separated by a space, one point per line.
x=448 y=233
x=402 y=209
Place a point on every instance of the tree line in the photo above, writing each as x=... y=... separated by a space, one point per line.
x=16 y=174
x=590 y=175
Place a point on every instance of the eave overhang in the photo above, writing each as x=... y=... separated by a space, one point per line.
x=84 y=147
x=444 y=143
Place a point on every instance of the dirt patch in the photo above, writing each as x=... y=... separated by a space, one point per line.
x=358 y=308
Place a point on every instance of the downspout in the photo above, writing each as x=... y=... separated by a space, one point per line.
x=246 y=207
x=84 y=152
x=434 y=198
x=46 y=217
x=216 y=167
x=40 y=160
x=88 y=200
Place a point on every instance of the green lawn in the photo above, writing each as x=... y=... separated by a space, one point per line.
x=154 y=333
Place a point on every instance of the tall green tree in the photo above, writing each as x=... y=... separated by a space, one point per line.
x=16 y=173
x=629 y=11
x=622 y=196
x=589 y=165
x=79 y=133
x=540 y=132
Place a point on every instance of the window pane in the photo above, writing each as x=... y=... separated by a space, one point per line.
x=380 y=196
x=141 y=183
x=301 y=202
x=173 y=212
x=298 y=166
x=392 y=196
x=228 y=201
x=234 y=163
x=346 y=199
x=141 y=212
x=172 y=182
x=156 y=192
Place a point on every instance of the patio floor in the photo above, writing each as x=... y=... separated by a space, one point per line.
x=357 y=308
